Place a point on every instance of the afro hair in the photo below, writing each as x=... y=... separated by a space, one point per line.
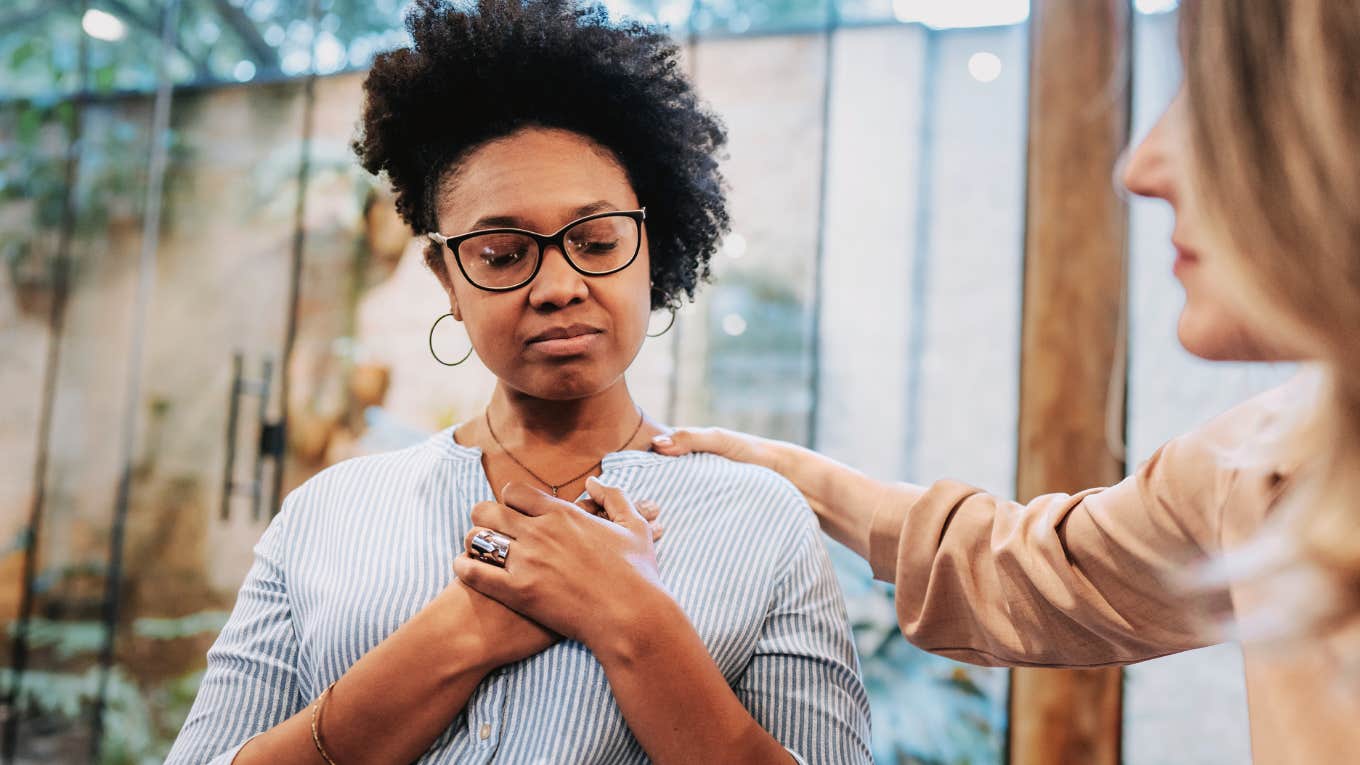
x=476 y=73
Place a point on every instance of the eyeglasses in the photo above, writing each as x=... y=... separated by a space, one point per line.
x=504 y=259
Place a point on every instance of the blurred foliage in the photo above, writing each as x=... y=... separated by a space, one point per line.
x=242 y=40
x=140 y=722
x=36 y=139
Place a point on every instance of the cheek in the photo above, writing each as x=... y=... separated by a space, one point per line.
x=628 y=303
x=486 y=320
x=638 y=307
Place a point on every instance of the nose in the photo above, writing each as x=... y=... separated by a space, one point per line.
x=1149 y=170
x=557 y=285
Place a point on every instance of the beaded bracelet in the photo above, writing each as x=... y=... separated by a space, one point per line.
x=316 y=721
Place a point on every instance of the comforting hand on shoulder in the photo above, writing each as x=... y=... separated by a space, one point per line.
x=734 y=445
x=576 y=574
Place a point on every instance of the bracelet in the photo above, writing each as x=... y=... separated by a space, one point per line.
x=316 y=723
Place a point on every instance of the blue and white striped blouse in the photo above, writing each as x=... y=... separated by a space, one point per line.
x=361 y=547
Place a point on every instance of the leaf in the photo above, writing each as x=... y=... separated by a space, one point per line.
x=23 y=53
x=105 y=77
x=180 y=627
x=30 y=126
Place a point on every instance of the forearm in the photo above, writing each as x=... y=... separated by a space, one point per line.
x=391 y=705
x=676 y=701
x=844 y=499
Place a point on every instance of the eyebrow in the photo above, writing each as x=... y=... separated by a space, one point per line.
x=511 y=221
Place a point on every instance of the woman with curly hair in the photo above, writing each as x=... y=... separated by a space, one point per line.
x=566 y=177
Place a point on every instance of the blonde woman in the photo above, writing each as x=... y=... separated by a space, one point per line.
x=1259 y=157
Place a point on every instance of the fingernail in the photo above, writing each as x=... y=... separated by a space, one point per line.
x=663 y=441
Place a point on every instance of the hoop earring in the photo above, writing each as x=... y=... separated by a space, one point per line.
x=466 y=356
x=668 y=326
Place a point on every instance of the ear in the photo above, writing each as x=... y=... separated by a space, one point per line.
x=434 y=260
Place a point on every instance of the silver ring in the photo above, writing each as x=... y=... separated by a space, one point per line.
x=489 y=546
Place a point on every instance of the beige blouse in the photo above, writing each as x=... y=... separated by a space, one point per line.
x=1088 y=579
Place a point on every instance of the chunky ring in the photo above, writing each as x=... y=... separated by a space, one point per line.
x=489 y=546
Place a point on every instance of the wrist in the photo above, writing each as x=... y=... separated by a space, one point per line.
x=478 y=635
x=463 y=648
x=637 y=629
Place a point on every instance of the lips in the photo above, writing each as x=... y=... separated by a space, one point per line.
x=570 y=340
x=1185 y=260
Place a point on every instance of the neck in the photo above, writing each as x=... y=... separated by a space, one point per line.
x=594 y=424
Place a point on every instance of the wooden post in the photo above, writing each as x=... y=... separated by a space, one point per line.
x=1074 y=281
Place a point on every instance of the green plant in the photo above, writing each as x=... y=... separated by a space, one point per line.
x=140 y=722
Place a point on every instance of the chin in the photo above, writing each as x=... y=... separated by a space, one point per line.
x=1216 y=337
x=1204 y=347
x=567 y=382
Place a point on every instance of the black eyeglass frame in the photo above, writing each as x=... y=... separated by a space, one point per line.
x=559 y=238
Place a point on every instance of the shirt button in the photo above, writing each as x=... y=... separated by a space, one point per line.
x=485 y=731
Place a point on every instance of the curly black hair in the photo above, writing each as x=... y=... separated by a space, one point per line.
x=478 y=73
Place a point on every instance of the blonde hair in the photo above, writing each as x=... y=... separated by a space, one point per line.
x=1273 y=93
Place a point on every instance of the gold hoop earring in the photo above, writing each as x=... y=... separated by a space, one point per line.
x=466 y=356
x=668 y=326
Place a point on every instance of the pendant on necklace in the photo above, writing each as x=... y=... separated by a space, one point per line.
x=554 y=489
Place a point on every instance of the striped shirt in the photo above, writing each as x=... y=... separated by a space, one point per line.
x=361 y=547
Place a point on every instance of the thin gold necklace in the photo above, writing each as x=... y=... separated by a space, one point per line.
x=554 y=487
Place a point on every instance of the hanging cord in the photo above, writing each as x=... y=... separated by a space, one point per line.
x=1120 y=90
x=1116 y=395
x=61 y=269
x=298 y=251
x=146 y=272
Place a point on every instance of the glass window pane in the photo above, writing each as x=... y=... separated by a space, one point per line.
x=222 y=281
x=34 y=198
x=219 y=285
x=745 y=361
x=925 y=220
x=83 y=468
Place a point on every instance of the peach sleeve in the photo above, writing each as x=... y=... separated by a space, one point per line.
x=1076 y=580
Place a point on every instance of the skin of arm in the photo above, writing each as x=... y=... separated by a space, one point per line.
x=395 y=701
x=844 y=499
x=662 y=658
x=674 y=698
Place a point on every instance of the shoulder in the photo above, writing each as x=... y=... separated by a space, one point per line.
x=727 y=475
x=365 y=473
x=1255 y=435
x=1239 y=458
x=359 y=481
